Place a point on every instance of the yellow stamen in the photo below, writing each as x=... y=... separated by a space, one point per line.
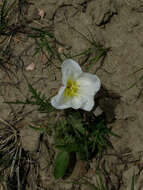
x=71 y=88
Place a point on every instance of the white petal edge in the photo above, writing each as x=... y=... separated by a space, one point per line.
x=77 y=102
x=89 y=84
x=70 y=68
x=83 y=102
x=89 y=103
x=59 y=102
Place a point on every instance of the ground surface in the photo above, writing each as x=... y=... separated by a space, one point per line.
x=117 y=25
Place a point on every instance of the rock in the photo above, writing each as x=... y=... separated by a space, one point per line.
x=101 y=11
x=127 y=178
x=29 y=139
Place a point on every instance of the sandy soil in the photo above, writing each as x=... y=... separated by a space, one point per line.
x=117 y=25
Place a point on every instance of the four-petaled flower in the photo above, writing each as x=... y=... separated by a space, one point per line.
x=78 y=90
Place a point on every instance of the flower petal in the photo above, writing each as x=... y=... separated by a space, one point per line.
x=58 y=101
x=61 y=102
x=77 y=102
x=83 y=102
x=70 y=68
x=89 y=84
x=89 y=103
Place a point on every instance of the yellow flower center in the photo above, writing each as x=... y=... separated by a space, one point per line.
x=71 y=89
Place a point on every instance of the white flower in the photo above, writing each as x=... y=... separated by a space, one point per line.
x=78 y=88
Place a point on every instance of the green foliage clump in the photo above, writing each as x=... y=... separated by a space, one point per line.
x=76 y=135
x=83 y=138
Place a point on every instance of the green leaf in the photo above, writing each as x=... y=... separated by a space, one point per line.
x=61 y=164
x=102 y=52
x=76 y=123
x=114 y=134
x=41 y=101
x=42 y=31
x=86 y=52
x=68 y=147
x=131 y=86
x=132 y=184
